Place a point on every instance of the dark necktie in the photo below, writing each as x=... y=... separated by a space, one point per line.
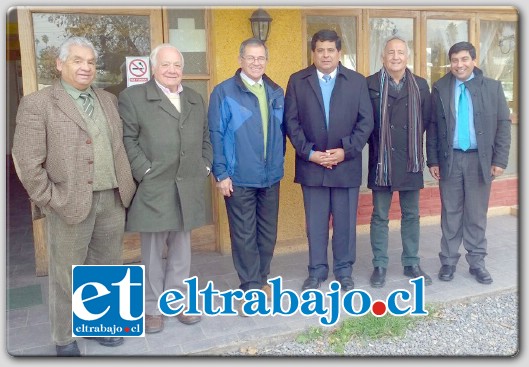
x=88 y=106
x=463 y=131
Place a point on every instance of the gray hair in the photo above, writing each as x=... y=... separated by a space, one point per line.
x=154 y=54
x=64 y=49
x=253 y=42
x=392 y=38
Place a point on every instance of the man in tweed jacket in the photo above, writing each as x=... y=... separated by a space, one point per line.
x=72 y=162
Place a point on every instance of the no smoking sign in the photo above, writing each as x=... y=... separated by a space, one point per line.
x=137 y=70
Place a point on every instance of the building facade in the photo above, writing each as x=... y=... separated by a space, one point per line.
x=209 y=39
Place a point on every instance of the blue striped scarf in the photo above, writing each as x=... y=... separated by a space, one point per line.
x=415 y=130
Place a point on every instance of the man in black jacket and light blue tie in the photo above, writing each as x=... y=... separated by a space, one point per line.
x=329 y=119
x=467 y=145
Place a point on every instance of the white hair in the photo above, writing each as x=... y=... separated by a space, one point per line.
x=64 y=49
x=154 y=54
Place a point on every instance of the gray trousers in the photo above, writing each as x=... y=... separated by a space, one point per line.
x=97 y=240
x=409 y=228
x=464 y=205
x=160 y=278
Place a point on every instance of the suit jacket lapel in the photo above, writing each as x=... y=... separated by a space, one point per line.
x=452 y=104
x=168 y=107
x=315 y=85
x=155 y=94
x=448 y=96
x=186 y=107
x=66 y=104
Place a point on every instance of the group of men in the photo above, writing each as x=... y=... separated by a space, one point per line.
x=84 y=156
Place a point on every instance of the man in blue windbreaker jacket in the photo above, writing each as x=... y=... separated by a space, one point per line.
x=248 y=136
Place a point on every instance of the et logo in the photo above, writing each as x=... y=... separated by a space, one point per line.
x=108 y=300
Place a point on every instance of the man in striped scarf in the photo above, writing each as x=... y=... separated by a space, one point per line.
x=401 y=107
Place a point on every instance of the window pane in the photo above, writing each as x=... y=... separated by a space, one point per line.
x=114 y=37
x=187 y=31
x=497 y=53
x=346 y=29
x=440 y=36
x=199 y=86
x=380 y=30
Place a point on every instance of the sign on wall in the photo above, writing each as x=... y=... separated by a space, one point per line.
x=138 y=70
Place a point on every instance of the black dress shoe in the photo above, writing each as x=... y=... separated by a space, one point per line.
x=378 y=278
x=311 y=283
x=107 y=341
x=447 y=272
x=482 y=275
x=68 y=350
x=415 y=271
x=346 y=283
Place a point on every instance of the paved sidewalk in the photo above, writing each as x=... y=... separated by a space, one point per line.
x=28 y=328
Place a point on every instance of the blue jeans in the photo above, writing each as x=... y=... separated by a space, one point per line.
x=409 y=229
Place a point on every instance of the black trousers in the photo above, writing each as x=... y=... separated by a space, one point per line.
x=252 y=216
x=320 y=204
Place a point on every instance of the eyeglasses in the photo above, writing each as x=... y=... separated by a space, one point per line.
x=251 y=59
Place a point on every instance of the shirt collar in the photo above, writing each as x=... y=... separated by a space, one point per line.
x=250 y=81
x=166 y=90
x=332 y=74
x=459 y=82
x=74 y=92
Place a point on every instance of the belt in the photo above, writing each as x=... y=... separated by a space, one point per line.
x=466 y=151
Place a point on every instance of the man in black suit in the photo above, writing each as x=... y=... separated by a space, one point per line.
x=329 y=119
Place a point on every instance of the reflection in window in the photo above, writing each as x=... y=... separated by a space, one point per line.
x=498 y=53
x=346 y=29
x=383 y=28
x=440 y=36
x=114 y=37
x=199 y=86
x=187 y=31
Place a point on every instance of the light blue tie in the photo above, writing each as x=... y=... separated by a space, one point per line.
x=463 y=131
x=326 y=77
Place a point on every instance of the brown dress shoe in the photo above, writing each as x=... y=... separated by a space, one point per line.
x=188 y=319
x=268 y=290
x=153 y=324
x=240 y=308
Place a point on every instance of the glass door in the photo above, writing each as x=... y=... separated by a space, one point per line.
x=187 y=29
x=442 y=31
x=115 y=32
x=386 y=23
